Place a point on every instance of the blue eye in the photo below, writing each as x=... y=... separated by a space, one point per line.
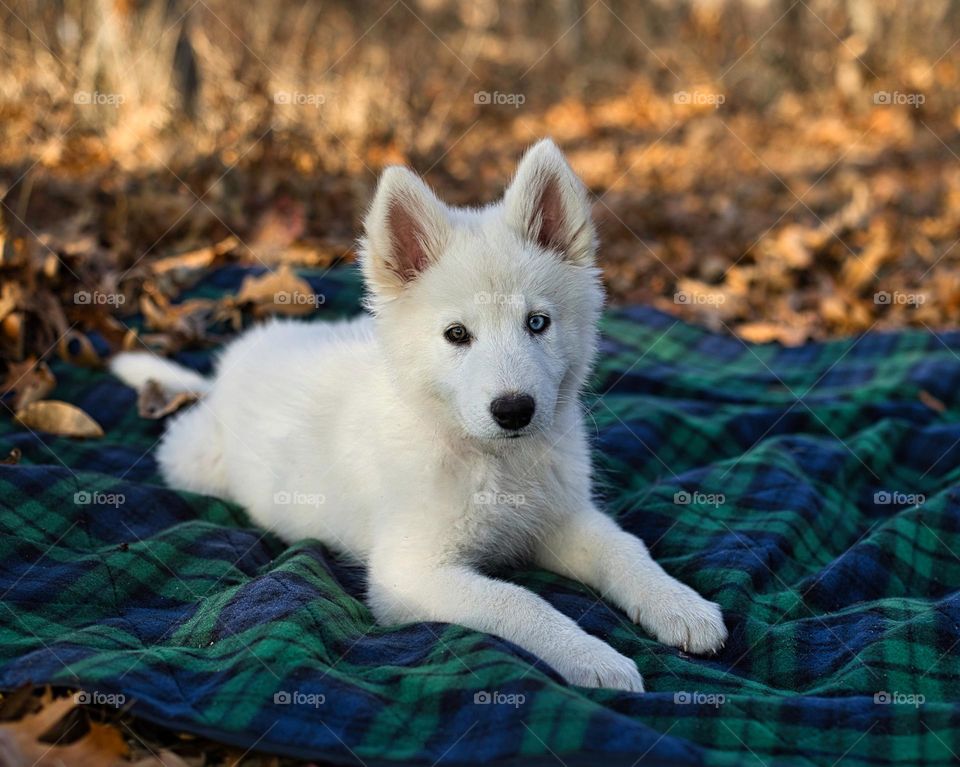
x=537 y=323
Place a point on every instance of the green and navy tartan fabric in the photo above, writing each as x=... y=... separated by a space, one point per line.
x=811 y=491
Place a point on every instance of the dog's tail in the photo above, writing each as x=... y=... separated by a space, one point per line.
x=136 y=368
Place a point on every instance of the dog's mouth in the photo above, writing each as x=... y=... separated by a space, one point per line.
x=514 y=435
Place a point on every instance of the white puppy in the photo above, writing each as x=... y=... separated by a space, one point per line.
x=442 y=436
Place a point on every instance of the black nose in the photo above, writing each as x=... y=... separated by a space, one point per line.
x=513 y=411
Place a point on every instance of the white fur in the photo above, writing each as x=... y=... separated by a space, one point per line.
x=375 y=436
x=137 y=369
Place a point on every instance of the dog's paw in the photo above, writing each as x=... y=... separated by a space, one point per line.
x=593 y=663
x=678 y=616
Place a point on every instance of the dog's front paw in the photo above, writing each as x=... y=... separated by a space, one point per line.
x=678 y=616
x=593 y=663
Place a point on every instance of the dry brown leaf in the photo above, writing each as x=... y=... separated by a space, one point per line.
x=8 y=255
x=767 y=332
x=76 y=348
x=9 y=298
x=860 y=269
x=188 y=318
x=29 y=381
x=21 y=744
x=12 y=334
x=60 y=418
x=279 y=292
x=835 y=309
x=315 y=252
x=201 y=258
x=704 y=299
x=108 y=327
x=155 y=402
x=161 y=344
x=791 y=247
x=130 y=341
x=172 y=273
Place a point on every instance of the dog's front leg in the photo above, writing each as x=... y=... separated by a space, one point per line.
x=403 y=589
x=590 y=547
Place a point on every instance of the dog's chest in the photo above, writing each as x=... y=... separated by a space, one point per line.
x=510 y=506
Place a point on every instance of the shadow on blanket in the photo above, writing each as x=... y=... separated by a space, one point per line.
x=810 y=491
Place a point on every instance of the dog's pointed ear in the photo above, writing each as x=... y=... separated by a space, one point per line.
x=404 y=232
x=547 y=204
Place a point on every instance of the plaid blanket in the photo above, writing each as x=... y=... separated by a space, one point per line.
x=812 y=492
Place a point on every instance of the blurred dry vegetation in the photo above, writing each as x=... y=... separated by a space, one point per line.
x=143 y=141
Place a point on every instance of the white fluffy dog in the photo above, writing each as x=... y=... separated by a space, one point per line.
x=442 y=436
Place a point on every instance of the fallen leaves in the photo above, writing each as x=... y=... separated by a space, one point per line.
x=194 y=260
x=12 y=335
x=188 y=320
x=795 y=219
x=768 y=332
x=76 y=348
x=60 y=418
x=50 y=730
x=173 y=272
x=27 y=381
x=169 y=325
x=155 y=402
x=23 y=743
x=279 y=292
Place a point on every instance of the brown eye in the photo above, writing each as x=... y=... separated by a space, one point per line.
x=457 y=334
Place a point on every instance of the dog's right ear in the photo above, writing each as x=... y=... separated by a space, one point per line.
x=405 y=231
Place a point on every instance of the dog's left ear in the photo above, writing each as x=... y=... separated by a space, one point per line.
x=548 y=204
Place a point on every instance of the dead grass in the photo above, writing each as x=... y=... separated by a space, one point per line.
x=778 y=201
